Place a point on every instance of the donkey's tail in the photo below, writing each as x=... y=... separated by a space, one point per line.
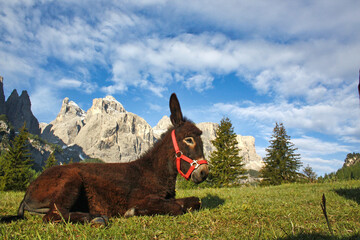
x=11 y=218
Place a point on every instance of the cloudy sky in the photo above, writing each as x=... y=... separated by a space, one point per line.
x=256 y=62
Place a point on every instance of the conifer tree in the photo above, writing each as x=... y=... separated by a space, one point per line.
x=16 y=164
x=50 y=161
x=309 y=173
x=225 y=163
x=281 y=161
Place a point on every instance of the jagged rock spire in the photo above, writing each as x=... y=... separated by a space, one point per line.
x=2 y=97
x=18 y=111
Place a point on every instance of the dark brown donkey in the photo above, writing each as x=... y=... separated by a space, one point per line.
x=92 y=192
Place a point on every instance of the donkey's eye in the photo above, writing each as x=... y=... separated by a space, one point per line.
x=189 y=140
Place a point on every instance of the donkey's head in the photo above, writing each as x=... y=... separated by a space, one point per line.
x=188 y=146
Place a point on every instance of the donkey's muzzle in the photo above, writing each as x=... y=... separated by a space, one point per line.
x=200 y=174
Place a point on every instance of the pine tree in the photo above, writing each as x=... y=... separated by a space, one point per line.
x=281 y=161
x=225 y=163
x=16 y=164
x=51 y=161
x=309 y=173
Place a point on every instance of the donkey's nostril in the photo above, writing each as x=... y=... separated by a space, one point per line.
x=203 y=174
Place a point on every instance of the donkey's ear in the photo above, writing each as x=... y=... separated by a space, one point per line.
x=176 y=116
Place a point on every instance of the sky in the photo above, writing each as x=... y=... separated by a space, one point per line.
x=255 y=62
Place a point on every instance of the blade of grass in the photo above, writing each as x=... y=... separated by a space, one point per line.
x=323 y=207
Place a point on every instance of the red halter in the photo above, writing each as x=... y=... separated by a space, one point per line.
x=194 y=164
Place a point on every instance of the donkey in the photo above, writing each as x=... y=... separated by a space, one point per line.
x=92 y=192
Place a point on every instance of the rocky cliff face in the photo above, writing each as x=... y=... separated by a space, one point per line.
x=18 y=111
x=247 y=148
x=352 y=159
x=208 y=135
x=67 y=125
x=113 y=134
x=106 y=131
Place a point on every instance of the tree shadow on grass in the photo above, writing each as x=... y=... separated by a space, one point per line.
x=211 y=201
x=310 y=236
x=350 y=193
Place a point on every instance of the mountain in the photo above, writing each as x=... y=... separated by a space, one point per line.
x=18 y=110
x=106 y=131
x=66 y=126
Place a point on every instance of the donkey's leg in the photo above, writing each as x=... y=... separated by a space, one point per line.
x=65 y=198
x=189 y=203
x=76 y=217
x=153 y=205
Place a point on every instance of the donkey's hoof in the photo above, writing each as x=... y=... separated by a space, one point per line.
x=100 y=221
x=130 y=213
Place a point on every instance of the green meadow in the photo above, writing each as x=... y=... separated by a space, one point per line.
x=290 y=211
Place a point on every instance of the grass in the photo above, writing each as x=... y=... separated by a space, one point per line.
x=280 y=212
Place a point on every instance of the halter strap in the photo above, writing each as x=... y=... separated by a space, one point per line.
x=194 y=164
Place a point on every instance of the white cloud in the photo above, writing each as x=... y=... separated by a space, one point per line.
x=336 y=117
x=124 y=40
x=276 y=18
x=310 y=146
x=199 y=82
x=68 y=83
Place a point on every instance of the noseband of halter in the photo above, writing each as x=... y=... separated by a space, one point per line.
x=194 y=164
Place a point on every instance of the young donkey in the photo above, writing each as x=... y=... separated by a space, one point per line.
x=92 y=192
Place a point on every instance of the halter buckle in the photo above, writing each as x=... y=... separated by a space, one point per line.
x=178 y=154
x=195 y=164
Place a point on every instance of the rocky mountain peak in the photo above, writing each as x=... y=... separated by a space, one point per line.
x=66 y=126
x=106 y=105
x=162 y=126
x=13 y=96
x=25 y=96
x=69 y=109
x=18 y=111
x=106 y=131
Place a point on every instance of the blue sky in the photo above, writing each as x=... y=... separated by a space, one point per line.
x=256 y=62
